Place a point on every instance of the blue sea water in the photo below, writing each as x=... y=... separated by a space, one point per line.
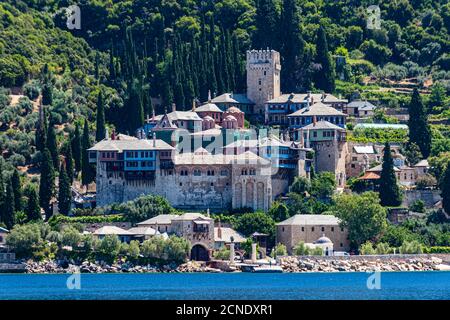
x=241 y=286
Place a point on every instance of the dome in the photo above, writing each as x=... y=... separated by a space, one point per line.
x=234 y=110
x=323 y=240
x=230 y=118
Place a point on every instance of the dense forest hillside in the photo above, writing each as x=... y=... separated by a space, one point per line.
x=133 y=56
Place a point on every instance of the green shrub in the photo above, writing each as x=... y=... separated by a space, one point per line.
x=411 y=247
x=109 y=248
x=367 y=248
x=301 y=249
x=279 y=250
x=382 y=248
x=222 y=254
x=437 y=249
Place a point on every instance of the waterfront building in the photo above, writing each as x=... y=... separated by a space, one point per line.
x=224 y=236
x=122 y=234
x=309 y=228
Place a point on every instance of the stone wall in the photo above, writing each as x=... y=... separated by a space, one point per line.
x=430 y=197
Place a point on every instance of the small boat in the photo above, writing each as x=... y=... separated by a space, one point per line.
x=267 y=269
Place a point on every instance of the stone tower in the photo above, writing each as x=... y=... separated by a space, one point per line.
x=263 y=77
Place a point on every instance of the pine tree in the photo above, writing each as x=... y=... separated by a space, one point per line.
x=325 y=76
x=420 y=132
x=292 y=49
x=76 y=148
x=47 y=183
x=33 y=209
x=267 y=24
x=64 y=192
x=17 y=189
x=86 y=168
x=69 y=161
x=445 y=188
x=390 y=193
x=8 y=210
x=101 y=130
x=52 y=146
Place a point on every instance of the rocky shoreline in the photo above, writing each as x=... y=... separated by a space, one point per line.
x=288 y=264
x=311 y=264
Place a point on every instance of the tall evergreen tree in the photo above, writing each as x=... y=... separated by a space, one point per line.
x=420 y=132
x=8 y=210
x=267 y=24
x=17 y=189
x=69 y=161
x=47 y=86
x=64 y=192
x=100 y=130
x=46 y=183
x=32 y=210
x=134 y=109
x=325 y=76
x=86 y=168
x=52 y=145
x=292 y=49
x=76 y=148
x=41 y=130
x=445 y=188
x=390 y=193
x=3 y=199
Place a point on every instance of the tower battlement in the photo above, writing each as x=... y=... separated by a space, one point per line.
x=263 y=57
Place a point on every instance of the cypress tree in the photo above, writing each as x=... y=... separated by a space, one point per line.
x=47 y=87
x=41 y=130
x=46 y=183
x=32 y=210
x=325 y=76
x=292 y=48
x=76 y=148
x=135 y=109
x=86 y=168
x=69 y=161
x=445 y=188
x=2 y=191
x=8 y=210
x=390 y=194
x=267 y=24
x=64 y=192
x=52 y=146
x=420 y=132
x=17 y=189
x=100 y=130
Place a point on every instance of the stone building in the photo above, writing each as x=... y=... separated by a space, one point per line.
x=330 y=147
x=263 y=77
x=360 y=109
x=3 y=233
x=308 y=228
x=197 y=228
x=279 y=109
